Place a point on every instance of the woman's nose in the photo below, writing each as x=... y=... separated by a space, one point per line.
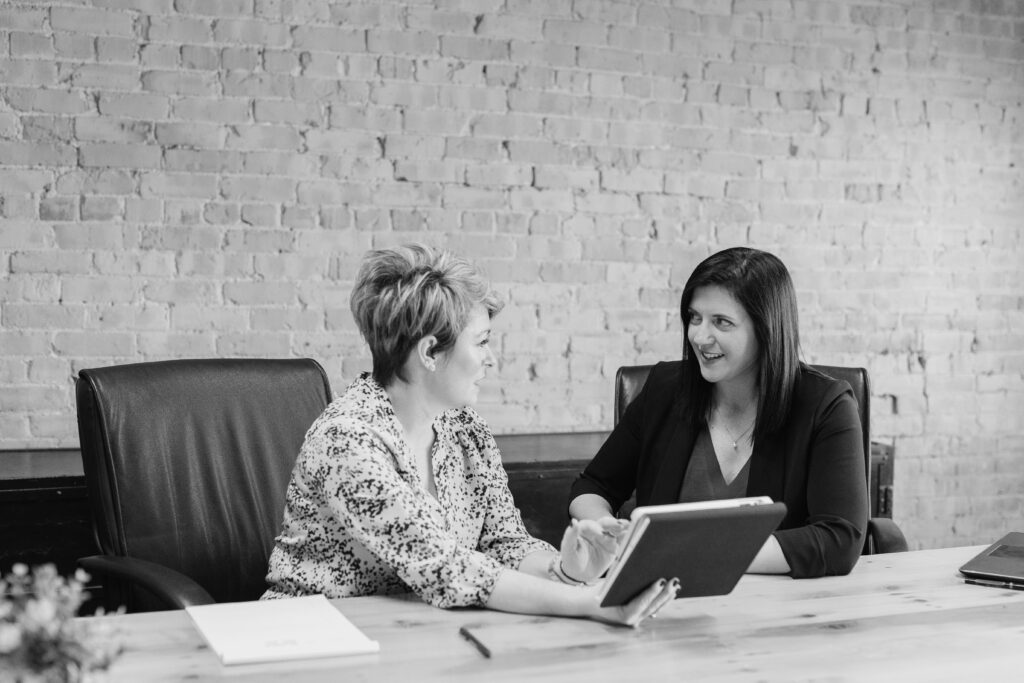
x=700 y=334
x=490 y=360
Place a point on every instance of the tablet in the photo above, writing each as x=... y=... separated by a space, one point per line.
x=708 y=545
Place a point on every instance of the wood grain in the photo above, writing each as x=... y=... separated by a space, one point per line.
x=904 y=616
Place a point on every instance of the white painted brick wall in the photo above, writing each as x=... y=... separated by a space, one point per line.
x=183 y=178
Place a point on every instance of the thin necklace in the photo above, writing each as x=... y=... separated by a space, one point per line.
x=735 y=439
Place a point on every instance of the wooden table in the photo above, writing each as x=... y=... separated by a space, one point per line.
x=899 y=617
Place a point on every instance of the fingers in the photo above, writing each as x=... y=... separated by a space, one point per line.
x=654 y=597
x=604 y=536
x=613 y=526
x=663 y=598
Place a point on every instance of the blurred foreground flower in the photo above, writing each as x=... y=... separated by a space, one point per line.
x=40 y=641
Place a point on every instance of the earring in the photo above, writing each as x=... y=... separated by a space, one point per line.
x=431 y=366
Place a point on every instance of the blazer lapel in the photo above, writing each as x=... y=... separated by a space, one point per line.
x=677 y=447
x=767 y=468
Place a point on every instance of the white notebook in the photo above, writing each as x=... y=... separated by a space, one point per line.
x=273 y=630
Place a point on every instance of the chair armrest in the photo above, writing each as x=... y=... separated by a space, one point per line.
x=885 y=537
x=173 y=588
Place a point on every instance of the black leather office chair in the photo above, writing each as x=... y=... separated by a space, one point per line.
x=883 y=535
x=186 y=464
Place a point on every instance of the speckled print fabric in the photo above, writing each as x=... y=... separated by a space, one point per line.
x=358 y=521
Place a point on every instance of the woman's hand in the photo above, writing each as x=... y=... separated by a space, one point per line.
x=589 y=547
x=645 y=605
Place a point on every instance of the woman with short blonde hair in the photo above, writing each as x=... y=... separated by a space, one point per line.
x=399 y=484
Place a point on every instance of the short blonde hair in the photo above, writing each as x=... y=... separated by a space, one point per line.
x=404 y=294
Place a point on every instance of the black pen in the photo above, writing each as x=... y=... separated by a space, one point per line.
x=468 y=635
x=996 y=584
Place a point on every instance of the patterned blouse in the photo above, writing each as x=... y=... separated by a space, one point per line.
x=358 y=521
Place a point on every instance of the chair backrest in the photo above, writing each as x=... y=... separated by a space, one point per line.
x=630 y=379
x=187 y=461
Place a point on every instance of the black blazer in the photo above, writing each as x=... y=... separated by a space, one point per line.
x=814 y=464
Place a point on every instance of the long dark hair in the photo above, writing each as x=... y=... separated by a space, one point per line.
x=761 y=284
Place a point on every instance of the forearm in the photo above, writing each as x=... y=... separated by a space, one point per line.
x=770 y=559
x=517 y=591
x=536 y=563
x=589 y=506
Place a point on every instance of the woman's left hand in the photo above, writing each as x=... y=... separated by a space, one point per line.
x=589 y=546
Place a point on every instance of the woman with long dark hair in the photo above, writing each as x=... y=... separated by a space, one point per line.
x=738 y=416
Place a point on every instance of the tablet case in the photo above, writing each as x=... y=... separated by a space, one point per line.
x=707 y=549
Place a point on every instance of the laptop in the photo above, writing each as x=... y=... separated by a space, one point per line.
x=1001 y=564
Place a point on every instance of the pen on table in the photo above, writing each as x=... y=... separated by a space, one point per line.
x=996 y=584
x=468 y=635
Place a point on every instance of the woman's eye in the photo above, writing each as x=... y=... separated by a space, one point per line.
x=722 y=322
x=694 y=319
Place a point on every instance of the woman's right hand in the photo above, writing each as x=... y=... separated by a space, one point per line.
x=645 y=605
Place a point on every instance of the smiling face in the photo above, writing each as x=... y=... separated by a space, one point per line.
x=721 y=335
x=461 y=368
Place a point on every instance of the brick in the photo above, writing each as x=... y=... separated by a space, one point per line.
x=194 y=317
x=299 y=113
x=32 y=45
x=88 y=236
x=179 y=185
x=254 y=187
x=49 y=261
x=444 y=171
x=180 y=83
x=192 y=134
x=103 y=76
x=131 y=105
x=120 y=155
x=200 y=57
x=111 y=129
x=262 y=215
x=252 y=137
x=101 y=208
x=50 y=101
x=74 y=46
x=58 y=209
x=96 y=181
x=437 y=122
x=342 y=142
x=468 y=148
x=501 y=175
x=220 y=109
x=325 y=39
x=636 y=180
x=251 y=32
x=368 y=117
x=609 y=59
x=241 y=58
x=180 y=30
x=160 y=56
x=23 y=18
x=540 y=200
x=92 y=21
x=117 y=50
x=16 y=182
x=419 y=43
x=36 y=154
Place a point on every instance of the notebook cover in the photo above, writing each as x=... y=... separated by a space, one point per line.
x=707 y=549
x=277 y=630
x=1003 y=560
